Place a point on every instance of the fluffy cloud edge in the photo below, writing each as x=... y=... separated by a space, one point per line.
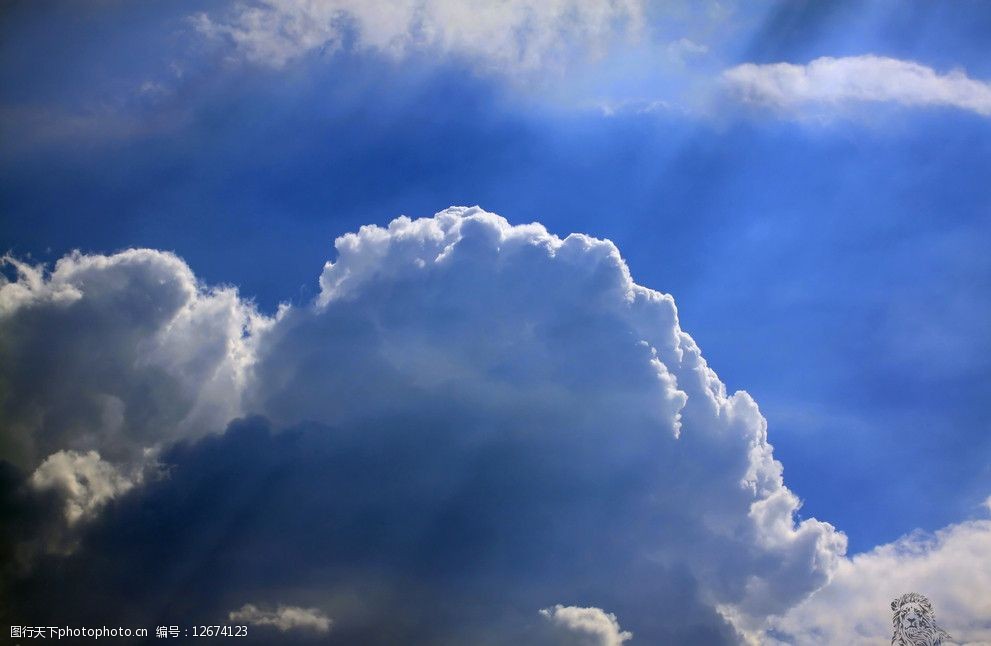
x=84 y=481
x=118 y=353
x=829 y=85
x=951 y=567
x=599 y=626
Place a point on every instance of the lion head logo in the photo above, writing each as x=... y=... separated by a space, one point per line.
x=914 y=622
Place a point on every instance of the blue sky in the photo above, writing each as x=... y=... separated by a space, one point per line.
x=827 y=253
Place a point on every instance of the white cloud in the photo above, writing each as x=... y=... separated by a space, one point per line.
x=465 y=320
x=591 y=626
x=516 y=35
x=463 y=332
x=85 y=482
x=829 y=84
x=469 y=353
x=283 y=618
x=491 y=365
x=952 y=568
x=116 y=354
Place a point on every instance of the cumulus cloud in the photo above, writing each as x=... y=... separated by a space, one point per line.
x=115 y=354
x=519 y=35
x=952 y=568
x=830 y=84
x=511 y=334
x=590 y=626
x=477 y=419
x=283 y=618
x=85 y=482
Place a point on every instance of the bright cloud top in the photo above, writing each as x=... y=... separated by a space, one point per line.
x=521 y=35
x=591 y=626
x=833 y=83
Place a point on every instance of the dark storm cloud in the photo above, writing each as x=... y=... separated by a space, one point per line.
x=355 y=524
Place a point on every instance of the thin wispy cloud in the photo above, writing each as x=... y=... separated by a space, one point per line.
x=283 y=618
x=515 y=36
x=684 y=49
x=830 y=84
